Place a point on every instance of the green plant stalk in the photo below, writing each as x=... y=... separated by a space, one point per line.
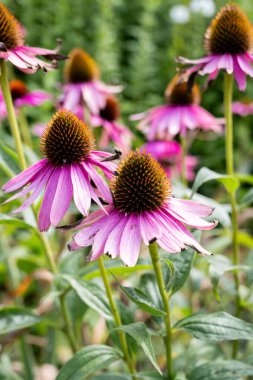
x=183 y=144
x=228 y=94
x=116 y=317
x=26 y=359
x=153 y=250
x=24 y=128
x=11 y=114
x=20 y=152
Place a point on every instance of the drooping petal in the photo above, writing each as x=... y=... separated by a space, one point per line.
x=100 y=183
x=25 y=177
x=149 y=228
x=45 y=209
x=226 y=62
x=62 y=198
x=130 y=241
x=245 y=65
x=112 y=245
x=191 y=206
x=240 y=76
x=81 y=191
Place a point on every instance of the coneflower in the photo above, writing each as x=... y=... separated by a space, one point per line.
x=67 y=171
x=112 y=129
x=243 y=108
x=228 y=43
x=181 y=112
x=83 y=84
x=21 y=96
x=143 y=210
x=13 y=49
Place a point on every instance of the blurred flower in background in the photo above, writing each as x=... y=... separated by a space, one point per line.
x=204 y=7
x=21 y=97
x=169 y=155
x=243 y=108
x=83 y=85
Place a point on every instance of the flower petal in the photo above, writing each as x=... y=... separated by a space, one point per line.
x=130 y=241
x=81 y=191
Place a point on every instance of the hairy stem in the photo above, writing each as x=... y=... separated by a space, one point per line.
x=116 y=317
x=161 y=285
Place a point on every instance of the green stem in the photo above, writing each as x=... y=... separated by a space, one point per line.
x=116 y=316
x=228 y=94
x=20 y=152
x=161 y=285
x=183 y=143
x=27 y=360
x=24 y=128
x=68 y=324
x=11 y=114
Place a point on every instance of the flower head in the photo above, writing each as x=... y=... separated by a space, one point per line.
x=181 y=112
x=143 y=210
x=169 y=155
x=229 y=43
x=21 y=96
x=83 y=84
x=66 y=171
x=14 y=50
x=112 y=129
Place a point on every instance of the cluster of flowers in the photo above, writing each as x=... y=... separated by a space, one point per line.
x=137 y=206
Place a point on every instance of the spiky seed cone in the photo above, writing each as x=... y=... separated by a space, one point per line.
x=66 y=139
x=11 y=33
x=229 y=32
x=180 y=92
x=80 y=67
x=141 y=184
x=18 y=89
x=111 y=111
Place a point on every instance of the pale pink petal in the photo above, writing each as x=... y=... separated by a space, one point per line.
x=112 y=245
x=131 y=241
x=226 y=62
x=149 y=228
x=72 y=95
x=240 y=76
x=85 y=237
x=100 y=183
x=211 y=66
x=62 y=196
x=192 y=206
x=245 y=65
x=81 y=192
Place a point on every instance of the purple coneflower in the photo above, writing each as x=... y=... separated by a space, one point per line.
x=143 y=210
x=181 y=112
x=83 y=85
x=112 y=129
x=12 y=46
x=243 y=108
x=169 y=155
x=229 y=43
x=67 y=171
x=21 y=96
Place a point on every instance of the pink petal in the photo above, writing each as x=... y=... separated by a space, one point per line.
x=100 y=183
x=112 y=245
x=81 y=192
x=211 y=66
x=130 y=241
x=62 y=196
x=226 y=62
x=192 y=206
x=245 y=65
x=25 y=177
x=240 y=76
x=149 y=228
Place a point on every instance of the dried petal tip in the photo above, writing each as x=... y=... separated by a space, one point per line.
x=66 y=139
x=230 y=32
x=111 y=111
x=80 y=67
x=18 y=89
x=140 y=185
x=11 y=33
x=181 y=91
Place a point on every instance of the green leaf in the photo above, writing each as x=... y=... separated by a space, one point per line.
x=16 y=318
x=19 y=223
x=221 y=370
x=204 y=175
x=146 y=375
x=87 y=361
x=91 y=294
x=142 y=300
x=216 y=327
x=139 y=332
x=247 y=198
x=182 y=263
x=245 y=178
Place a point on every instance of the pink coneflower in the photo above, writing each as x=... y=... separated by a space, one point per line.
x=143 y=210
x=21 y=96
x=83 y=85
x=112 y=129
x=243 y=108
x=229 y=43
x=169 y=155
x=67 y=171
x=181 y=112
x=12 y=46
